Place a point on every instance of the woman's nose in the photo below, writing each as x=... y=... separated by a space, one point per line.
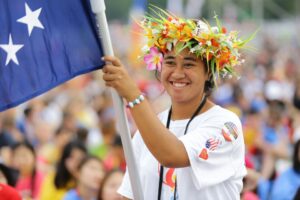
x=178 y=72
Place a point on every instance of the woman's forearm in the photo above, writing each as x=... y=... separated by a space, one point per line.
x=164 y=145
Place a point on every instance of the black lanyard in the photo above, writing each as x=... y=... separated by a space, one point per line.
x=203 y=101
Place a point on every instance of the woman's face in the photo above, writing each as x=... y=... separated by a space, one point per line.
x=183 y=76
x=73 y=161
x=91 y=174
x=111 y=186
x=23 y=160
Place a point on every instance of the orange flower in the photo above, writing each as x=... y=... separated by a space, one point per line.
x=223 y=62
x=214 y=43
x=210 y=55
x=224 y=30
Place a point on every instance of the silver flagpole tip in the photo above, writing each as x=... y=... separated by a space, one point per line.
x=98 y=6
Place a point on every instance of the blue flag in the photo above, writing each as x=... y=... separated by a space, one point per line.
x=44 y=43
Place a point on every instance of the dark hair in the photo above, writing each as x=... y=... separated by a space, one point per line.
x=82 y=134
x=296 y=161
x=27 y=145
x=117 y=142
x=86 y=159
x=209 y=84
x=297 y=196
x=63 y=176
x=10 y=174
x=28 y=111
x=105 y=179
x=61 y=130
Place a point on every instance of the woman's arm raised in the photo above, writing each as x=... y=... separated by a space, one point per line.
x=164 y=145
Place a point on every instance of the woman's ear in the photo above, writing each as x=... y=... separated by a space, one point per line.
x=157 y=74
x=208 y=84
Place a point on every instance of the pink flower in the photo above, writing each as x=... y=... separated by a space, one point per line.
x=153 y=59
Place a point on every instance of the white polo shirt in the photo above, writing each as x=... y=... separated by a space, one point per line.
x=215 y=146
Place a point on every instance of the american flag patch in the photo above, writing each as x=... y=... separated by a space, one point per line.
x=230 y=131
x=212 y=144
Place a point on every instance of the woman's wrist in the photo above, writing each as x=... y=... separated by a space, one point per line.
x=132 y=95
x=139 y=99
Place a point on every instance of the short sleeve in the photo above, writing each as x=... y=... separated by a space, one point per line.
x=125 y=188
x=214 y=152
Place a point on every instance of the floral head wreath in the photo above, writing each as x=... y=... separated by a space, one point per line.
x=213 y=44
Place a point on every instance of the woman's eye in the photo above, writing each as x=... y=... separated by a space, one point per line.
x=170 y=63
x=188 y=65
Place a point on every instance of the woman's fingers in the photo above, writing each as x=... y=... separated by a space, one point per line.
x=116 y=76
x=111 y=77
x=111 y=64
x=110 y=69
x=113 y=60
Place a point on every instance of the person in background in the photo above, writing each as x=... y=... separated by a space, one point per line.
x=30 y=179
x=90 y=175
x=6 y=142
x=8 y=179
x=57 y=183
x=115 y=158
x=51 y=152
x=8 y=193
x=287 y=184
x=27 y=123
x=275 y=139
x=8 y=175
x=110 y=184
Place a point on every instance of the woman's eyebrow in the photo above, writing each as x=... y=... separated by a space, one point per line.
x=190 y=59
x=169 y=58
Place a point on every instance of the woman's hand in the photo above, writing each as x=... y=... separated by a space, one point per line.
x=116 y=76
x=163 y=144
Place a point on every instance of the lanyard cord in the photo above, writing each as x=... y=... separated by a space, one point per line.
x=203 y=101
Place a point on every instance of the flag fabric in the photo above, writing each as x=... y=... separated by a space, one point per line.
x=44 y=43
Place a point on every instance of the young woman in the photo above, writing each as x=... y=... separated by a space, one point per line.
x=90 y=175
x=30 y=179
x=110 y=184
x=289 y=179
x=57 y=183
x=194 y=149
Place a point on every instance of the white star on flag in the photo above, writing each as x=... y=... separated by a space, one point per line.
x=31 y=19
x=11 y=50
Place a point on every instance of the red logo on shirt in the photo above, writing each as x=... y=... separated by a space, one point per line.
x=169 y=177
x=203 y=154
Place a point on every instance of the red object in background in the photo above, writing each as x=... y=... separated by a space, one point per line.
x=250 y=196
x=8 y=193
x=248 y=161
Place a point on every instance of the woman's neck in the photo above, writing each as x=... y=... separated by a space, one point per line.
x=86 y=193
x=185 y=111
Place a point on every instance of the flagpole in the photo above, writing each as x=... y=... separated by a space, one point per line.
x=98 y=8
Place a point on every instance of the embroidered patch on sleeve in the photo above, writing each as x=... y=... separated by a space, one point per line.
x=230 y=131
x=203 y=154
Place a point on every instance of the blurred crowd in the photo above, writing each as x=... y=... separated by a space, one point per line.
x=266 y=97
x=65 y=144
